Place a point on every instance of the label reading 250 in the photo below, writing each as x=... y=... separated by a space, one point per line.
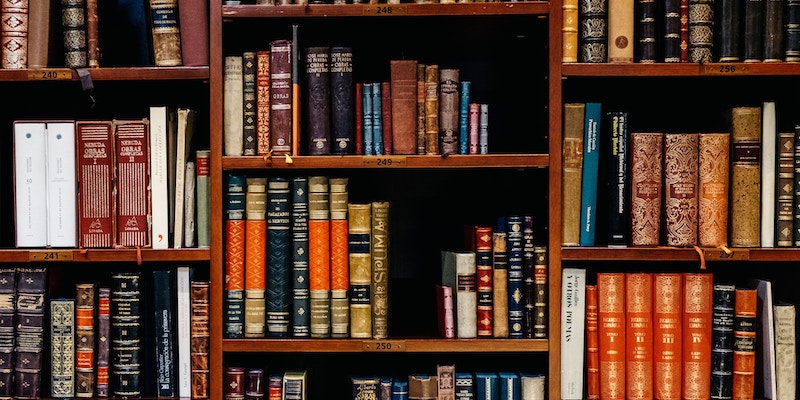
x=384 y=345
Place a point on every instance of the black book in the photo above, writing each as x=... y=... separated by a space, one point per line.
x=754 y=30
x=722 y=341
x=773 y=30
x=249 y=105
x=318 y=100
x=164 y=317
x=617 y=180
x=8 y=306
x=729 y=29
x=125 y=378
x=342 y=101
x=646 y=31
x=792 y=23
x=593 y=31
x=672 y=31
x=30 y=301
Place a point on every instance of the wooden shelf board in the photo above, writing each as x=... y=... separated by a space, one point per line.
x=664 y=253
x=107 y=74
x=102 y=255
x=296 y=345
x=680 y=69
x=386 y=10
x=390 y=161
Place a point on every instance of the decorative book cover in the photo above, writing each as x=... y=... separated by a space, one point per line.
x=233 y=106
x=449 y=104
x=201 y=340
x=62 y=347
x=516 y=305
x=672 y=31
x=103 y=340
x=96 y=167
x=483 y=268
x=639 y=335
x=593 y=39
x=463 y=118
x=366 y=117
x=318 y=99
x=714 y=164
x=569 y=31
x=235 y=222
x=193 y=26
x=380 y=269
x=31 y=302
x=774 y=30
x=483 y=129
x=279 y=256
x=667 y=334
x=645 y=51
x=509 y=384
x=620 y=31
x=30 y=180
x=646 y=187
x=701 y=31
x=342 y=101
x=432 y=109
x=754 y=25
x=340 y=270
x=572 y=167
x=573 y=320
x=785 y=350
x=280 y=64
x=165 y=323
x=474 y=111
x=592 y=345
x=445 y=381
x=465 y=385
x=365 y=387
x=532 y=386
x=744 y=343
x=85 y=334
x=319 y=261
x=591 y=160
x=618 y=180
x=262 y=102
x=359 y=239
x=729 y=29
x=769 y=138
x=422 y=118
x=14 y=34
x=612 y=333
x=255 y=265
x=132 y=182
x=386 y=117
x=166 y=33
x=784 y=207
x=680 y=188
x=745 y=215
x=540 y=292
x=234 y=382
x=722 y=341
x=697 y=315
x=126 y=344
x=300 y=319
x=499 y=279
x=249 y=104
x=73 y=24
x=528 y=268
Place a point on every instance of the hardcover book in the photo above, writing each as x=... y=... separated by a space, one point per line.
x=618 y=180
x=499 y=279
x=593 y=31
x=359 y=239
x=463 y=118
x=132 y=182
x=591 y=160
x=233 y=106
x=753 y=39
x=279 y=256
x=159 y=178
x=612 y=334
x=540 y=292
x=73 y=24
x=8 y=310
x=318 y=99
x=39 y=29
x=96 y=182
x=14 y=34
x=165 y=321
x=672 y=31
x=103 y=340
x=189 y=206
x=62 y=347
x=483 y=129
x=365 y=387
x=377 y=119
x=745 y=215
x=730 y=30
x=294 y=385
x=249 y=104
x=769 y=137
x=592 y=345
x=254 y=383
x=203 y=187
x=29 y=337
x=200 y=338
x=766 y=383
x=744 y=343
x=445 y=321
x=573 y=320
x=697 y=317
x=484 y=275
x=125 y=377
x=422 y=118
x=701 y=31
x=359 y=117
x=796 y=188
x=340 y=271
x=380 y=269
x=569 y=31
x=255 y=265
x=639 y=335
x=509 y=384
x=183 y=360
x=474 y=128
x=319 y=268
x=784 y=204
x=667 y=335
x=183 y=152
x=262 y=102
x=386 y=117
x=166 y=33
x=431 y=109
x=532 y=386
x=722 y=341
x=30 y=180
x=516 y=301
x=714 y=166
x=645 y=31
x=774 y=30
x=62 y=230
x=528 y=268
x=85 y=306
x=460 y=270
x=193 y=27
x=646 y=187
x=342 y=101
x=785 y=350
x=792 y=34
x=572 y=167
x=449 y=104
x=465 y=385
x=235 y=236
x=680 y=188
x=620 y=31
x=445 y=381
x=404 y=106
x=280 y=64
x=300 y=318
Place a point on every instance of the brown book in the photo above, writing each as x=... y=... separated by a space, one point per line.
x=646 y=176
x=592 y=347
x=572 y=167
x=745 y=207
x=14 y=34
x=714 y=150
x=96 y=178
x=262 y=102
x=103 y=340
x=85 y=294
x=359 y=117
x=697 y=314
x=680 y=188
x=611 y=333
x=92 y=34
x=386 y=117
x=620 y=31
x=744 y=343
x=784 y=223
x=132 y=183
x=449 y=105
x=38 y=33
x=165 y=32
x=201 y=339
x=193 y=23
x=667 y=335
x=73 y=23
x=404 y=106
x=380 y=269
x=432 y=109
x=280 y=64
x=639 y=335
x=421 y=107
x=484 y=274
x=500 y=279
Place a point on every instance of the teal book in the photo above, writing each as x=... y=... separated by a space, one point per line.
x=509 y=385
x=591 y=160
x=377 y=120
x=366 y=104
x=487 y=386
x=463 y=118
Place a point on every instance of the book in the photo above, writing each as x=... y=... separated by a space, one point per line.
x=359 y=227
x=465 y=385
x=377 y=119
x=275 y=386
x=785 y=349
x=193 y=27
x=667 y=334
x=319 y=268
x=572 y=167
x=509 y=384
x=249 y=103
x=14 y=34
x=183 y=151
x=279 y=257
x=183 y=306
x=483 y=129
x=474 y=128
x=8 y=311
x=39 y=12
x=386 y=117
x=612 y=334
x=431 y=109
x=617 y=181
x=730 y=29
x=125 y=374
x=380 y=287
x=165 y=328
x=294 y=385
x=62 y=347
x=744 y=343
x=701 y=31
x=103 y=340
x=96 y=167
x=696 y=329
x=422 y=118
x=295 y=70
x=255 y=383
x=200 y=333
x=445 y=381
x=645 y=32
x=540 y=292
x=765 y=382
x=639 y=335
x=592 y=31
x=684 y=31
x=234 y=382
x=769 y=137
x=318 y=98
x=92 y=34
x=516 y=301
x=339 y=262
x=532 y=386
x=85 y=334
x=646 y=187
x=671 y=18
x=792 y=34
x=31 y=301
x=300 y=319
x=573 y=320
x=681 y=177
x=132 y=183
x=796 y=189
x=190 y=205
x=166 y=33
x=592 y=346
x=483 y=282
x=280 y=65
x=461 y=273
x=569 y=31
x=235 y=245
x=30 y=181
x=359 y=117
x=159 y=178
x=712 y=190
x=61 y=211
x=73 y=24
x=365 y=387
x=499 y=279
x=445 y=321
x=342 y=101
x=753 y=31
x=422 y=386
x=449 y=105
x=463 y=117
x=784 y=203
x=774 y=30
x=745 y=216
x=591 y=159
x=486 y=385
x=368 y=138
x=255 y=265
x=203 y=187
x=262 y=102
x=620 y=31
x=722 y=340
x=233 y=105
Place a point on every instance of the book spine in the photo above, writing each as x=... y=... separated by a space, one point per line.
x=185 y=131
x=714 y=149
x=672 y=31
x=474 y=127
x=618 y=180
x=14 y=34
x=249 y=104
x=639 y=335
x=769 y=139
x=540 y=292
x=365 y=387
x=516 y=307
x=445 y=381
x=593 y=31
x=166 y=33
x=646 y=188
x=234 y=387
x=722 y=341
x=103 y=340
x=62 y=347
x=263 y=102
x=592 y=346
x=190 y=205
x=342 y=101
x=573 y=318
x=233 y=106
x=359 y=239
x=680 y=188
x=319 y=268
x=85 y=306
x=404 y=106
x=422 y=107
x=164 y=297
x=667 y=335
x=377 y=120
x=200 y=338
x=774 y=30
x=8 y=301
x=729 y=30
x=202 y=160
x=234 y=256
x=367 y=144
x=279 y=256
x=29 y=337
x=744 y=343
x=132 y=183
x=183 y=305
x=255 y=265
x=701 y=33
x=160 y=197
x=792 y=34
x=528 y=272
x=754 y=24
x=301 y=307
x=359 y=117
x=484 y=285
x=483 y=129
x=487 y=385
x=684 y=18
x=254 y=383
x=126 y=343
x=645 y=31
x=745 y=173
x=571 y=166
x=785 y=350
x=697 y=317
x=280 y=117
x=465 y=385
x=445 y=313
x=294 y=385
x=499 y=279
x=96 y=177
x=612 y=334
x=379 y=249
x=449 y=103
x=796 y=188
x=73 y=23
x=432 y=109
x=463 y=118
x=509 y=385
x=61 y=186
x=30 y=180
x=340 y=271
x=193 y=23
x=620 y=31
x=591 y=159
x=386 y=116
x=569 y=31
x=318 y=98
x=784 y=206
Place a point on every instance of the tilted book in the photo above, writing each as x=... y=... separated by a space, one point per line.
x=279 y=256
x=255 y=266
x=499 y=279
x=769 y=138
x=262 y=102
x=235 y=237
x=618 y=179
x=85 y=334
x=30 y=180
x=744 y=343
x=318 y=99
x=745 y=215
x=166 y=33
x=233 y=106
x=449 y=105
x=612 y=333
x=784 y=191
x=301 y=307
x=697 y=315
x=592 y=345
x=165 y=321
x=667 y=334
x=183 y=152
x=380 y=269
x=573 y=320
x=572 y=167
x=722 y=338
x=62 y=347
x=593 y=31
x=96 y=167
x=516 y=305
x=785 y=350
x=340 y=271
x=591 y=160
x=766 y=383
x=646 y=187
x=280 y=65
x=680 y=188
x=360 y=261
x=639 y=335
x=200 y=338
x=132 y=182
x=342 y=101
x=319 y=256
x=712 y=193
x=249 y=104
x=483 y=265
x=432 y=109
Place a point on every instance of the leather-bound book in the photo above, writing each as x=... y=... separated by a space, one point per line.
x=617 y=178
x=646 y=186
x=701 y=31
x=729 y=29
x=463 y=117
x=38 y=33
x=96 y=177
x=300 y=319
x=93 y=54
x=280 y=64
x=722 y=341
x=342 y=101
x=255 y=265
x=358 y=112
x=165 y=319
x=386 y=117
x=593 y=39
x=318 y=99
x=73 y=22
x=340 y=270
x=62 y=347
x=528 y=267
x=639 y=335
x=697 y=316
x=249 y=104
x=404 y=106
x=233 y=106
x=201 y=338
x=126 y=335
x=166 y=33
x=14 y=34
x=571 y=166
x=279 y=256
x=714 y=150
x=646 y=43
x=784 y=207
x=569 y=31
x=262 y=102
x=774 y=30
x=449 y=105
x=796 y=198
x=132 y=183
x=621 y=24
x=234 y=387
x=745 y=216
x=754 y=28
x=85 y=333
x=319 y=261
x=672 y=31
x=103 y=340
x=360 y=275
x=612 y=333
x=792 y=34
x=592 y=345
x=684 y=7
x=193 y=23
x=422 y=119
x=380 y=269
x=234 y=205
x=667 y=335
x=432 y=109
x=483 y=267
x=540 y=292
x=8 y=307
x=499 y=279
x=514 y=237
x=744 y=343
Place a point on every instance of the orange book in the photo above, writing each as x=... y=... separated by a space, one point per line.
x=611 y=334
x=319 y=255
x=697 y=315
x=340 y=277
x=592 y=360
x=744 y=343
x=639 y=335
x=255 y=264
x=667 y=335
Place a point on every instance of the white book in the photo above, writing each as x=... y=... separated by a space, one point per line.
x=189 y=205
x=184 y=338
x=183 y=145
x=462 y=264
x=769 y=135
x=532 y=386
x=765 y=328
x=785 y=350
x=159 y=192
x=573 y=322
x=62 y=189
x=232 y=104
x=30 y=183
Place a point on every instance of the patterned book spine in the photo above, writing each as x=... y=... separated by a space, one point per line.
x=132 y=183
x=164 y=317
x=319 y=267
x=646 y=187
x=701 y=31
x=792 y=34
x=639 y=335
x=365 y=387
x=342 y=101
x=234 y=386
x=279 y=256
x=366 y=118
x=233 y=106
x=785 y=350
x=340 y=270
x=103 y=340
x=474 y=127
x=618 y=180
x=646 y=31
x=449 y=101
x=234 y=256
x=166 y=33
x=516 y=307
x=592 y=345
x=722 y=341
x=672 y=31
x=753 y=39
x=571 y=165
x=620 y=31
x=569 y=31
x=8 y=307
x=774 y=30
x=445 y=323
x=528 y=272
x=379 y=248
x=483 y=129
x=62 y=347
x=784 y=207
x=294 y=385
x=29 y=338
x=318 y=98
x=300 y=319
x=697 y=315
x=359 y=119
x=280 y=64
x=359 y=239
x=612 y=333
x=745 y=224
x=796 y=193
x=386 y=116
x=201 y=338
x=422 y=118
x=680 y=188
x=684 y=18
x=404 y=105
x=432 y=109
x=499 y=279
x=85 y=306
x=540 y=292
x=249 y=104
x=744 y=343
x=713 y=189
x=589 y=179
x=463 y=118
x=483 y=263
x=254 y=384
x=262 y=102
x=126 y=342
x=573 y=320
x=729 y=29
x=96 y=177
x=14 y=34
x=73 y=22
x=377 y=120
x=465 y=386
x=593 y=40
x=255 y=264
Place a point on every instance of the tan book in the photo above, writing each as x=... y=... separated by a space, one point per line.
x=92 y=34
x=432 y=109
x=680 y=188
x=38 y=33
x=572 y=166
x=359 y=216
x=380 y=269
x=646 y=175
x=404 y=106
x=745 y=207
x=696 y=329
x=620 y=31
x=499 y=280
x=569 y=31
x=785 y=350
x=166 y=33
x=262 y=102
x=713 y=189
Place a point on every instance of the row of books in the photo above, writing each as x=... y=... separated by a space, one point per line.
x=156 y=33
x=305 y=2
x=497 y=287
x=674 y=335
x=301 y=260
x=254 y=383
x=111 y=183
x=421 y=109
x=737 y=188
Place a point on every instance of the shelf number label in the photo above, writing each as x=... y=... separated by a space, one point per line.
x=384 y=346
x=716 y=254
x=44 y=255
x=384 y=162
x=50 y=74
x=725 y=69
x=385 y=9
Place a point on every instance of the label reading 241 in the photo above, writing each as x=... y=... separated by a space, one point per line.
x=46 y=255
x=386 y=9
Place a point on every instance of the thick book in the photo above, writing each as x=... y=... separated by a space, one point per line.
x=486 y=385
x=62 y=347
x=183 y=317
x=165 y=325
x=255 y=264
x=753 y=31
x=765 y=381
x=697 y=316
x=639 y=335
x=592 y=344
x=701 y=31
x=729 y=29
x=85 y=334
x=404 y=106
x=279 y=256
x=255 y=383
x=381 y=268
x=784 y=190
x=516 y=301
x=722 y=340
x=203 y=195
x=183 y=154
x=200 y=334
x=234 y=382
x=593 y=31
x=340 y=271
x=30 y=183
x=617 y=178
x=126 y=373
x=573 y=323
x=166 y=33
x=681 y=177
x=233 y=105
x=359 y=227
x=621 y=24
x=97 y=228
x=280 y=65
x=646 y=187
x=667 y=334
x=14 y=34
x=712 y=191
x=62 y=187
x=671 y=22
x=262 y=102
x=300 y=319
x=569 y=31
x=744 y=343
x=785 y=349
x=645 y=31
x=769 y=138
x=591 y=160
x=132 y=183
x=572 y=167
x=484 y=275
x=612 y=334
x=449 y=104
x=234 y=205
x=159 y=177
x=774 y=30
x=193 y=27
x=249 y=103
x=318 y=99
x=431 y=109
x=73 y=24
x=499 y=279
x=39 y=28
x=319 y=257
x=745 y=215
x=103 y=340
x=342 y=101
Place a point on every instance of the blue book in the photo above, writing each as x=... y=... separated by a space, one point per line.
x=234 y=297
x=463 y=118
x=399 y=389
x=279 y=256
x=591 y=160
x=366 y=112
x=516 y=298
x=486 y=386
x=377 y=120
x=509 y=386
x=465 y=386
x=301 y=302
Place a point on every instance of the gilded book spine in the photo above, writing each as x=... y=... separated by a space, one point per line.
x=422 y=118
x=639 y=334
x=340 y=271
x=646 y=187
x=744 y=343
x=85 y=305
x=713 y=189
x=319 y=267
x=14 y=34
x=448 y=111
x=132 y=183
x=126 y=338
x=701 y=31
x=279 y=256
x=103 y=339
x=255 y=258
x=569 y=31
x=680 y=187
x=784 y=207
x=612 y=334
x=483 y=263
x=359 y=239
x=697 y=317
x=234 y=256
x=432 y=109
x=280 y=63
x=262 y=102
x=73 y=22
x=592 y=346
x=318 y=98
x=200 y=334
x=62 y=347
x=499 y=279
x=380 y=269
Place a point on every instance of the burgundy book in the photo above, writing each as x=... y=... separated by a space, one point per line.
x=280 y=63
x=96 y=177
x=193 y=22
x=359 y=117
x=404 y=106
x=133 y=183
x=646 y=187
x=680 y=188
x=386 y=116
x=318 y=100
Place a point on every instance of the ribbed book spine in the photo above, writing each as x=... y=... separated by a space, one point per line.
x=263 y=102
x=318 y=98
x=404 y=95
x=744 y=343
x=201 y=338
x=528 y=272
x=379 y=249
x=714 y=158
x=279 y=256
x=701 y=31
x=432 y=109
x=342 y=101
x=540 y=292
x=463 y=118
x=249 y=103
x=680 y=188
x=62 y=347
x=639 y=335
x=745 y=223
x=368 y=147
x=96 y=177
x=73 y=23
x=340 y=270
x=234 y=256
x=85 y=306
x=103 y=340
x=612 y=333
x=792 y=34
x=449 y=83
x=499 y=279
x=516 y=305
x=646 y=188
x=301 y=307
x=646 y=31
x=483 y=264
x=29 y=339
x=784 y=207
x=319 y=262
x=126 y=335
x=132 y=182
x=255 y=265
x=359 y=239
x=8 y=307
x=697 y=315
x=722 y=341
x=593 y=31
x=280 y=64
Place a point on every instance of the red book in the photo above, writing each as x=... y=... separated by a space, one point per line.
x=484 y=272
x=340 y=257
x=386 y=116
x=639 y=335
x=133 y=183
x=592 y=355
x=359 y=115
x=744 y=343
x=319 y=255
x=697 y=313
x=646 y=187
x=667 y=335
x=611 y=331
x=193 y=23
x=96 y=178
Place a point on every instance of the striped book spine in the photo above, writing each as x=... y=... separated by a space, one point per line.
x=255 y=265
x=500 y=279
x=301 y=320
x=234 y=256
x=132 y=182
x=340 y=274
x=279 y=256
x=319 y=268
